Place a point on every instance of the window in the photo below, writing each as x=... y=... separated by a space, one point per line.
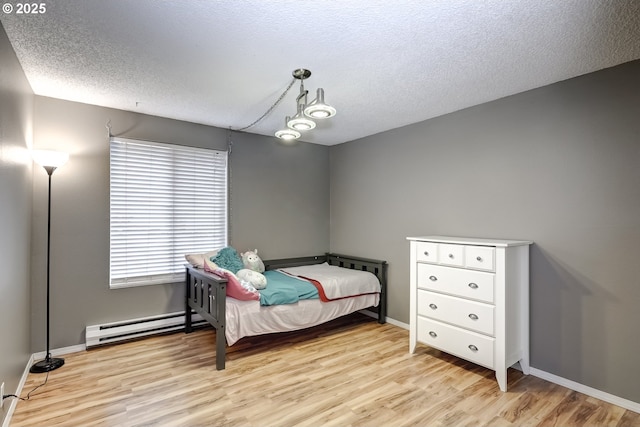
x=166 y=201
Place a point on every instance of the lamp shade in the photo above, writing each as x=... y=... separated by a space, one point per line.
x=317 y=109
x=299 y=122
x=286 y=133
x=47 y=158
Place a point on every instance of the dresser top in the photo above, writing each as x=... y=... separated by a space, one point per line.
x=471 y=241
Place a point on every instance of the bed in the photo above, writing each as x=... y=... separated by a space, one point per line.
x=206 y=295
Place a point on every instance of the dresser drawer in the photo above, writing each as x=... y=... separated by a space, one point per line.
x=451 y=254
x=476 y=316
x=427 y=252
x=479 y=257
x=459 y=342
x=476 y=285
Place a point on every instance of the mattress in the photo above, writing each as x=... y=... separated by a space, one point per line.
x=249 y=318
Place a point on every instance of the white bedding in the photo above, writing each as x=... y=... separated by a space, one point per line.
x=248 y=318
x=337 y=282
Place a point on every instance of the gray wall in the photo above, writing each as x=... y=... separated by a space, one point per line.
x=272 y=194
x=559 y=165
x=279 y=197
x=16 y=115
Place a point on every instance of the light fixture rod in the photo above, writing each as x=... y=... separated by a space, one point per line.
x=302 y=95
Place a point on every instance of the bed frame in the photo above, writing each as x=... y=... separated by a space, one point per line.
x=206 y=293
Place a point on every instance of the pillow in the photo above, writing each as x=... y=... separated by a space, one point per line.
x=197 y=260
x=210 y=266
x=228 y=259
x=234 y=287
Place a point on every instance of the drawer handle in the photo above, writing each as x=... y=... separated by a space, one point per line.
x=451 y=256
x=433 y=334
x=426 y=253
x=433 y=278
x=473 y=286
x=479 y=259
x=473 y=316
x=473 y=347
x=433 y=306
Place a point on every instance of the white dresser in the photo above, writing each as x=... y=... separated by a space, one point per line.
x=470 y=298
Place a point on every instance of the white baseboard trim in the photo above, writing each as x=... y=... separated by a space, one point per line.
x=369 y=313
x=60 y=351
x=589 y=391
x=387 y=319
x=18 y=392
x=399 y=324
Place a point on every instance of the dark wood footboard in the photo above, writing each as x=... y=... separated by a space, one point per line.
x=206 y=295
x=377 y=267
x=206 y=292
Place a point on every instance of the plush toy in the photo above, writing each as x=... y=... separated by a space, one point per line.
x=252 y=261
x=229 y=259
x=256 y=279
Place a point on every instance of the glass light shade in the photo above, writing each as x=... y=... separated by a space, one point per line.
x=47 y=158
x=286 y=133
x=299 y=122
x=317 y=109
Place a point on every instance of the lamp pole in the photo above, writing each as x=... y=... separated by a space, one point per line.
x=49 y=363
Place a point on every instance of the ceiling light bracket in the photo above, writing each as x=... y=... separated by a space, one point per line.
x=301 y=73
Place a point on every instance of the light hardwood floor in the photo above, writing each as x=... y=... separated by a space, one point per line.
x=350 y=372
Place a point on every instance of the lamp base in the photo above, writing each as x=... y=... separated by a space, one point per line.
x=46 y=365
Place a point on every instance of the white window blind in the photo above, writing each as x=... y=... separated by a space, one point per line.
x=166 y=201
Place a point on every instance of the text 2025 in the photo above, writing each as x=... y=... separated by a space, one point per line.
x=31 y=8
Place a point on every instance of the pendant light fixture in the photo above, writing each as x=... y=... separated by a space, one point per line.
x=316 y=109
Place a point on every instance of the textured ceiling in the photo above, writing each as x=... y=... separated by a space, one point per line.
x=383 y=64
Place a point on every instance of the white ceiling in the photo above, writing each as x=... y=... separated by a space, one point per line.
x=383 y=63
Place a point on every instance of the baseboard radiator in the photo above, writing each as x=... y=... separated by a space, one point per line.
x=109 y=333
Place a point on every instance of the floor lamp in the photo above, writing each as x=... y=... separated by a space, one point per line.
x=50 y=161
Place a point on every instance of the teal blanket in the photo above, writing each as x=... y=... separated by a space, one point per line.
x=284 y=289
